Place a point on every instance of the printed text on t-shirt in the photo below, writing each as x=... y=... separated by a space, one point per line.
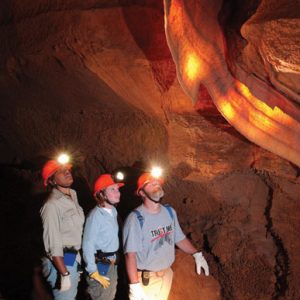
x=161 y=232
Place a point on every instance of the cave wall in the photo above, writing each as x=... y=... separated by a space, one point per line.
x=97 y=79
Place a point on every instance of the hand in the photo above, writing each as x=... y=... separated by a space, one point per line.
x=136 y=292
x=201 y=263
x=104 y=281
x=65 y=283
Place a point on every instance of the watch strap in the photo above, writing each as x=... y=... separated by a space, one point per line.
x=66 y=274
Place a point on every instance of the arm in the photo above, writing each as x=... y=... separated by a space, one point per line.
x=53 y=242
x=52 y=237
x=88 y=247
x=135 y=288
x=91 y=233
x=132 y=244
x=186 y=246
x=58 y=262
x=131 y=267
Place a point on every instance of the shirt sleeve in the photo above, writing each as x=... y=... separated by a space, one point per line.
x=179 y=235
x=132 y=234
x=51 y=230
x=88 y=243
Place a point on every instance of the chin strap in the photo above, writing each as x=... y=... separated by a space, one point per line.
x=58 y=186
x=107 y=200
x=148 y=196
x=113 y=204
x=63 y=186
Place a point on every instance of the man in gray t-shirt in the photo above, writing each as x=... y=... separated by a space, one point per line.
x=150 y=234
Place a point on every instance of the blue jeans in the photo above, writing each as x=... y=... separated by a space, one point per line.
x=52 y=277
x=96 y=290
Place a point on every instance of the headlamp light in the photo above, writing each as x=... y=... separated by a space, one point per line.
x=63 y=158
x=119 y=176
x=156 y=172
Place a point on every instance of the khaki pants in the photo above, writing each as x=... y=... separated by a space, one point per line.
x=159 y=284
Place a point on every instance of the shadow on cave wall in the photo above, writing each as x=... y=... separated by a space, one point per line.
x=21 y=244
x=139 y=19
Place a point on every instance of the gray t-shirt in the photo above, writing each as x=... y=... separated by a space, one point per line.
x=154 y=243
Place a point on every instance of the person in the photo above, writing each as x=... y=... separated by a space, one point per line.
x=150 y=234
x=62 y=219
x=101 y=240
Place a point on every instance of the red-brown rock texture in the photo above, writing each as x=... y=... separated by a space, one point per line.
x=96 y=78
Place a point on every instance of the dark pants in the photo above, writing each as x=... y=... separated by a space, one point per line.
x=96 y=290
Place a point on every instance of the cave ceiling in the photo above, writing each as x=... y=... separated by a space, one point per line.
x=67 y=65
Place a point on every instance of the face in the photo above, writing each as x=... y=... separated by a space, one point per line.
x=154 y=189
x=112 y=193
x=63 y=177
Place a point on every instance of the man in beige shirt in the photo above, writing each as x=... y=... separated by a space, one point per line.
x=63 y=220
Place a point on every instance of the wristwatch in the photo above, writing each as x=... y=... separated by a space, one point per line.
x=66 y=274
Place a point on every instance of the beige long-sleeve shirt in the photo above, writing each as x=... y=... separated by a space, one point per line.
x=63 y=220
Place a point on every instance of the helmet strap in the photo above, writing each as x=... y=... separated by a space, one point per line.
x=106 y=199
x=113 y=204
x=149 y=197
x=63 y=186
x=55 y=184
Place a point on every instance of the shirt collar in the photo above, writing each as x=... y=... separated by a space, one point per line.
x=58 y=194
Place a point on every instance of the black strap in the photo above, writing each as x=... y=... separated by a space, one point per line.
x=101 y=254
x=102 y=257
x=141 y=218
x=70 y=250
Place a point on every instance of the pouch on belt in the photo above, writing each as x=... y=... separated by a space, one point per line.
x=103 y=267
x=145 y=277
x=70 y=256
x=103 y=262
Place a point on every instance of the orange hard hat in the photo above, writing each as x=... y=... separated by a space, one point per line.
x=50 y=167
x=145 y=178
x=105 y=181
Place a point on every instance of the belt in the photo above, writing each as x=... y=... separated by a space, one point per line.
x=70 y=250
x=146 y=275
x=101 y=254
x=103 y=257
x=159 y=273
